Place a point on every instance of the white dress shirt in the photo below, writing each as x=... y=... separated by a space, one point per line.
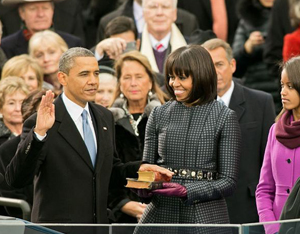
x=165 y=41
x=227 y=96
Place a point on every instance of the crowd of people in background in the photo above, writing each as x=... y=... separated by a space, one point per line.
x=183 y=85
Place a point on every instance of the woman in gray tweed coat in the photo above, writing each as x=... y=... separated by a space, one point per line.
x=197 y=138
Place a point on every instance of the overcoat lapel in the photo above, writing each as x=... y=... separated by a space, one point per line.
x=237 y=100
x=68 y=130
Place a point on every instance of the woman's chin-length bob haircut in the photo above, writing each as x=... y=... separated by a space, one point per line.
x=193 y=61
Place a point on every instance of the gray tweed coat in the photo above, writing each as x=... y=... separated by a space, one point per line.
x=203 y=137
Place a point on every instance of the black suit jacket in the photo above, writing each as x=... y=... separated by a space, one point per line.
x=16 y=44
x=256 y=113
x=202 y=9
x=67 y=188
x=186 y=22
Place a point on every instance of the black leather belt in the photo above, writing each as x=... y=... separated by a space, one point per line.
x=194 y=174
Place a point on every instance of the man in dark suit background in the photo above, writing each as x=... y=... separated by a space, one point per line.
x=70 y=180
x=256 y=113
x=37 y=16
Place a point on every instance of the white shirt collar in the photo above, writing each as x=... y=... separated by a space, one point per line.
x=73 y=109
x=138 y=16
x=227 y=96
x=165 y=41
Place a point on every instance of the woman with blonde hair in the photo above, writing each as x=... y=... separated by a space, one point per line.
x=136 y=95
x=13 y=90
x=47 y=47
x=26 y=67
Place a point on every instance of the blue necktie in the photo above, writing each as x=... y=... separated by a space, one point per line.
x=88 y=137
x=221 y=101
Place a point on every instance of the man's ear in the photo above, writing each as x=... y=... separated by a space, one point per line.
x=175 y=15
x=62 y=78
x=138 y=44
x=21 y=12
x=233 y=65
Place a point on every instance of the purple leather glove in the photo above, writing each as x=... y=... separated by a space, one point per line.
x=171 y=190
x=144 y=193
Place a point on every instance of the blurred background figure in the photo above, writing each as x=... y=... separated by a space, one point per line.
x=37 y=16
x=291 y=41
x=47 y=47
x=107 y=87
x=281 y=165
x=118 y=32
x=13 y=90
x=249 y=43
x=2 y=55
x=215 y=15
x=8 y=150
x=26 y=67
x=279 y=26
x=137 y=94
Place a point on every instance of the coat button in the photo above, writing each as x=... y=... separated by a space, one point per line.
x=288 y=190
x=288 y=160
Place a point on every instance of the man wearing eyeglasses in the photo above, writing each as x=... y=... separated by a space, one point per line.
x=160 y=35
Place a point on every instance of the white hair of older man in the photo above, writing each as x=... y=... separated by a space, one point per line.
x=174 y=3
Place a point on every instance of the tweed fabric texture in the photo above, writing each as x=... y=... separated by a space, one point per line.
x=203 y=137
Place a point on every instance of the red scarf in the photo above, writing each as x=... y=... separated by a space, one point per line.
x=287 y=131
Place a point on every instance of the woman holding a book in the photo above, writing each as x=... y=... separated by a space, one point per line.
x=197 y=138
x=136 y=95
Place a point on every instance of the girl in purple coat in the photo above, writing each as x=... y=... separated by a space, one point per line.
x=281 y=165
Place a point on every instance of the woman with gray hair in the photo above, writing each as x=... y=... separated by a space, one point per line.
x=13 y=91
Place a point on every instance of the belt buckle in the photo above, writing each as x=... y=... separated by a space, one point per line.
x=209 y=175
x=200 y=175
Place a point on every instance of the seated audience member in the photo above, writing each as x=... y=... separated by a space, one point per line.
x=13 y=90
x=8 y=150
x=249 y=43
x=255 y=112
x=185 y=21
x=47 y=47
x=2 y=55
x=281 y=165
x=26 y=67
x=291 y=41
x=160 y=35
x=107 y=87
x=37 y=16
x=136 y=96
